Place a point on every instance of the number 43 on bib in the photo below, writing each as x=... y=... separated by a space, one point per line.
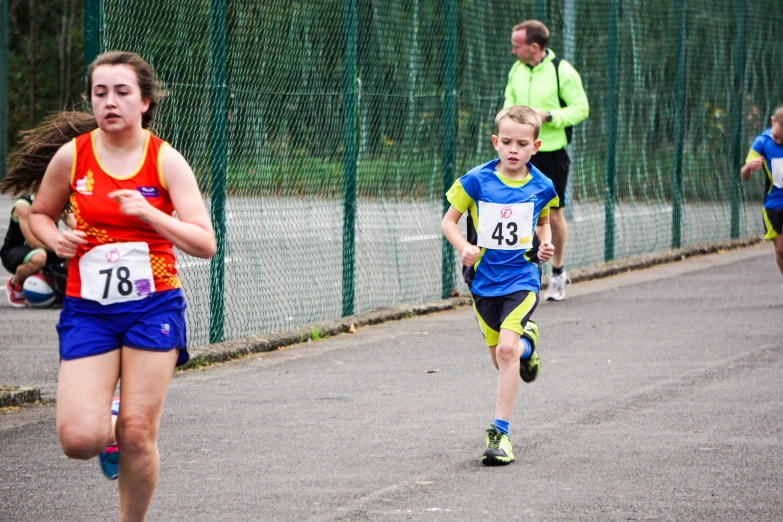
x=505 y=226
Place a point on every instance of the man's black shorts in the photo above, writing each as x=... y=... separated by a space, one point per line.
x=555 y=165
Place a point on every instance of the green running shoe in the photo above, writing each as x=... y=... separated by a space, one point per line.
x=529 y=368
x=498 y=452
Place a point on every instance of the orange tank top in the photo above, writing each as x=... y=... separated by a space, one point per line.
x=125 y=258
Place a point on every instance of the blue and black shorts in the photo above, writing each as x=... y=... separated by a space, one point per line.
x=156 y=323
x=773 y=222
x=510 y=312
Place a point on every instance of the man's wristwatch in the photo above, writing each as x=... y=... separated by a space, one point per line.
x=548 y=118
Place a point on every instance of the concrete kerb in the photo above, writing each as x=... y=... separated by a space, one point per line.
x=18 y=395
x=238 y=348
x=658 y=258
x=225 y=351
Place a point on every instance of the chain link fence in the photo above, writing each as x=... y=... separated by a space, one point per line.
x=324 y=134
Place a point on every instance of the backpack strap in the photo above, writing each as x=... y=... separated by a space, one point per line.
x=556 y=62
x=569 y=131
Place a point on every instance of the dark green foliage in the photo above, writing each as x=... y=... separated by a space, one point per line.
x=285 y=62
x=45 y=61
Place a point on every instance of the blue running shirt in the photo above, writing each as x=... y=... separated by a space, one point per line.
x=506 y=235
x=765 y=147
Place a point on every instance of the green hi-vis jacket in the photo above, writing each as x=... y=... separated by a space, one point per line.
x=537 y=88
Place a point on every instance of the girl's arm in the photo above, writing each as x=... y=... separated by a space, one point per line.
x=49 y=201
x=192 y=232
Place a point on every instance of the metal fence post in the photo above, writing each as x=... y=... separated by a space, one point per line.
x=350 y=28
x=680 y=68
x=449 y=129
x=93 y=26
x=539 y=11
x=736 y=113
x=3 y=86
x=611 y=128
x=218 y=161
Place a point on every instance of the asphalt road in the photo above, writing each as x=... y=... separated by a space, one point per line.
x=660 y=399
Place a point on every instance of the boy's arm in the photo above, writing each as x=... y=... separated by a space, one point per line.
x=755 y=158
x=469 y=253
x=544 y=233
x=22 y=215
x=752 y=165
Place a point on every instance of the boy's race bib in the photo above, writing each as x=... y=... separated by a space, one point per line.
x=777 y=172
x=117 y=272
x=505 y=226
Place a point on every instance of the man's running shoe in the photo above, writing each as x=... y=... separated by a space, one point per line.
x=529 y=368
x=498 y=452
x=556 y=289
x=15 y=294
x=109 y=458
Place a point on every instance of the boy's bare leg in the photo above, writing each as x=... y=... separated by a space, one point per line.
x=778 y=244
x=33 y=266
x=506 y=358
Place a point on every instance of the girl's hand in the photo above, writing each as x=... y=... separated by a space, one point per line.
x=470 y=255
x=545 y=251
x=132 y=203
x=68 y=242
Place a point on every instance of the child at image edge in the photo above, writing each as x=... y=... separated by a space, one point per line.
x=508 y=234
x=767 y=153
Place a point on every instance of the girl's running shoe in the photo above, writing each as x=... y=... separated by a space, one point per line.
x=109 y=459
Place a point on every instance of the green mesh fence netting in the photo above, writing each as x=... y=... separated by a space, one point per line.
x=277 y=104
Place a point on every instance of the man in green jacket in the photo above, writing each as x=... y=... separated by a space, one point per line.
x=552 y=87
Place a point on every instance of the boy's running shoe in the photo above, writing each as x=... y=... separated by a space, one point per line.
x=109 y=458
x=529 y=368
x=498 y=452
x=15 y=294
x=556 y=289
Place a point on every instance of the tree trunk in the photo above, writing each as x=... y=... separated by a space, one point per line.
x=68 y=43
x=31 y=59
x=63 y=69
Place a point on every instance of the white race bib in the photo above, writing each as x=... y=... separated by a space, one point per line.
x=777 y=172
x=117 y=272
x=505 y=226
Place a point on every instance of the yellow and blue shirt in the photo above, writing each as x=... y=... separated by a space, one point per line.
x=502 y=272
x=765 y=147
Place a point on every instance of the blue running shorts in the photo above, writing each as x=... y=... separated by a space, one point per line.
x=156 y=323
